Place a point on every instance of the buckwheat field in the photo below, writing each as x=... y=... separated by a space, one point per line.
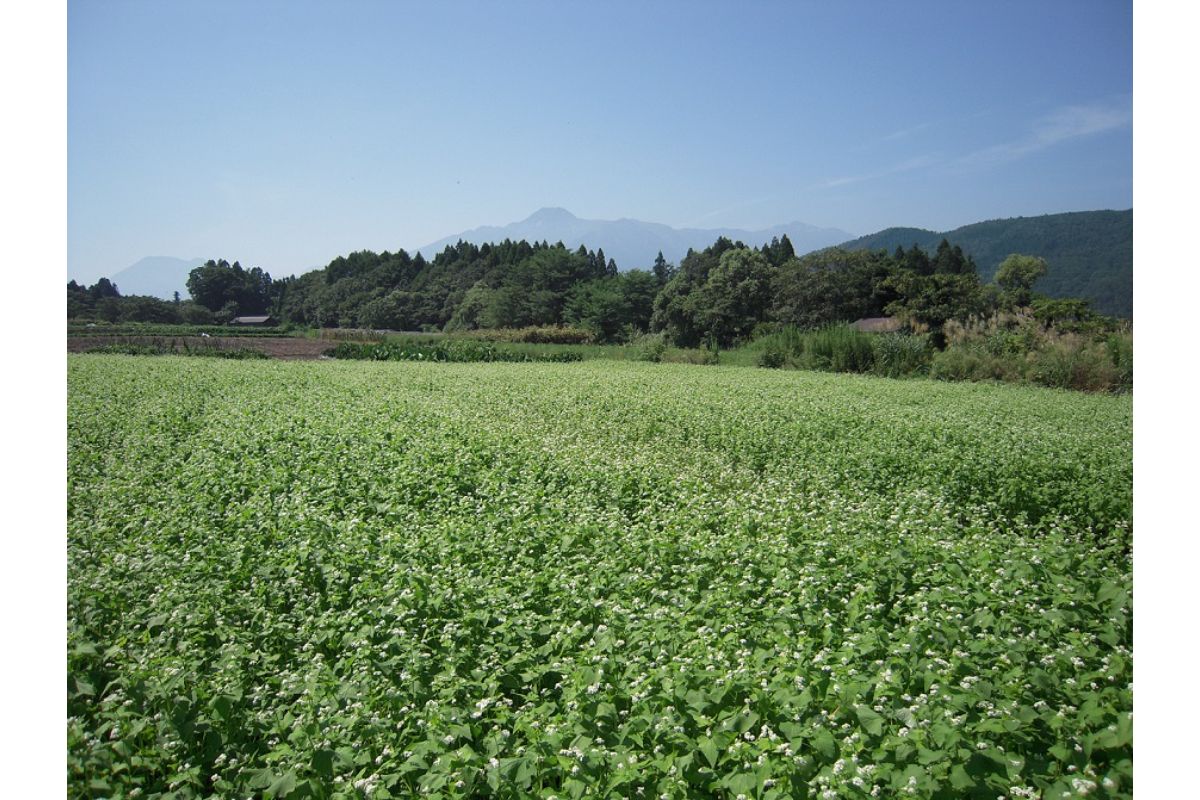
x=599 y=579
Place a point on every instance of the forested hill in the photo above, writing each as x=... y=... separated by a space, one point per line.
x=1089 y=253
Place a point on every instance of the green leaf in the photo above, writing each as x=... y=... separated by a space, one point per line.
x=282 y=786
x=742 y=783
x=869 y=720
x=959 y=778
x=824 y=744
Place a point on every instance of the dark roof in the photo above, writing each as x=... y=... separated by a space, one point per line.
x=876 y=324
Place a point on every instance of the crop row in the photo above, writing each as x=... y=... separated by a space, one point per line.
x=597 y=579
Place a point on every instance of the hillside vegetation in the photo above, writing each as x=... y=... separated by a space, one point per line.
x=1089 y=253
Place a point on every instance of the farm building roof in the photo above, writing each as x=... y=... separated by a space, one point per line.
x=250 y=320
x=877 y=324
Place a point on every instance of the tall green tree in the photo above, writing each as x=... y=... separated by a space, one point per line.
x=678 y=304
x=217 y=285
x=663 y=271
x=1016 y=276
x=831 y=286
x=735 y=297
x=598 y=305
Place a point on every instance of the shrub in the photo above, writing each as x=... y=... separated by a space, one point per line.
x=160 y=349
x=649 y=347
x=1072 y=362
x=1120 y=350
x=838 y=348
x=965 y=363
x=898 y=355
x=534 y=334
x=1023 y=347
x=772 y=356
x=446 y=350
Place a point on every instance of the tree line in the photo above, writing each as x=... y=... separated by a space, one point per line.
x=718 y=296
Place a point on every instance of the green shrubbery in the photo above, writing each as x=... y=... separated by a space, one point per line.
x=533 y=334
x=164 y=329
x=841 y=348
x=1021 y=348
x=177 y=349
x=445 y=350
x=1010 y=347
x=649 y=347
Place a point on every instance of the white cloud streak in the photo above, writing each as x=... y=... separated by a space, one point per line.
x=1065 y=124
x=904 y=166
x=1062 y=125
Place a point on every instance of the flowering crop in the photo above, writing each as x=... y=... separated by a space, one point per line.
x=603 y=579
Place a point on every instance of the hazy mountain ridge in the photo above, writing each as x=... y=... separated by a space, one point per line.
x=156 y=276
x=1089 y=253
x=633 y=243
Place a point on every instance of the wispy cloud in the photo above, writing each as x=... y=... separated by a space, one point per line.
x=1064 y=124
x=900 y=134
x=720 y=212
x=904 y=166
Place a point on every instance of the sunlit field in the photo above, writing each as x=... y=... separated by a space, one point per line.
x=594 y=579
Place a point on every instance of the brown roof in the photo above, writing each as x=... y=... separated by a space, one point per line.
x=877 y=324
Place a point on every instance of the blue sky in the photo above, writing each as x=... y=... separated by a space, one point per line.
x=283 y=134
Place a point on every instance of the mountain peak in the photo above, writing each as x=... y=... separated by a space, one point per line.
x=551 y=214
x=630 y=242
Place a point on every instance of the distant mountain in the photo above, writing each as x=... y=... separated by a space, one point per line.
x=632 y=243
x=1089 y=253
x=157 y=276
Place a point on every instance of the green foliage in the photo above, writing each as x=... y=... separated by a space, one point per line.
x=721 y=293
x=443 y=350
x=831 y=286
x=153 y=329
x=930 y=301
x=612 y=580
x=734 y=298
x=228 y=289
x=547 y=334
x=772 y=356
x=649 y=347
x=663 y=271
x=598 y=306
x=1089 y=254
x=838 y=348
x=1067 y=314
x=900 y=355
x=1073 y=362
x=178 y=348
x=1120 y=350
x=102 y=302
x=1016 y=276
x=1021 y=349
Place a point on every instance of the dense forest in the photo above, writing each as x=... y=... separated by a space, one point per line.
x=1089 y=253
x=718 y=296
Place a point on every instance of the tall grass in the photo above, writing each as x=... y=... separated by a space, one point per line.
x=1016 y=348
x=841 y=348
